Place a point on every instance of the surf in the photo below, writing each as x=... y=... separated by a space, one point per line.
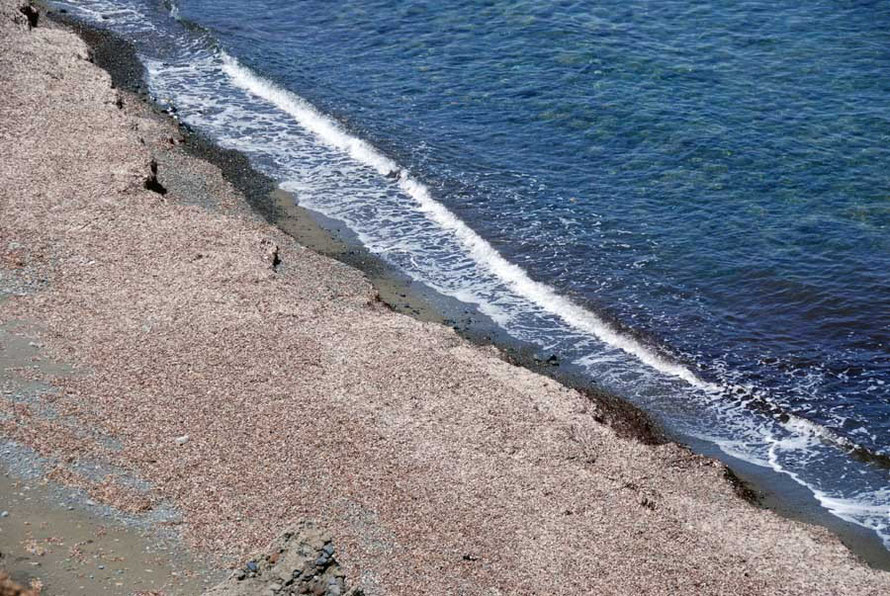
x=481 y=251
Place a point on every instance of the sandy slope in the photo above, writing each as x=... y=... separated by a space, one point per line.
x=436 y=466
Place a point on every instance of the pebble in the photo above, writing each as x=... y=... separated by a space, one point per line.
x=4 y=513
x=182 y=440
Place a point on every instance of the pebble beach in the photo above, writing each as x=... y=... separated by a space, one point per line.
x=160 y=325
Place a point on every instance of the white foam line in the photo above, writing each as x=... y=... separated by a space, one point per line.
x=801 y=426
x=481 y=251
x=858 y=513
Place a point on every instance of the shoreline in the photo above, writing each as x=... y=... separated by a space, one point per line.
x=308 y=230
x=762 y=488
x=330 y=238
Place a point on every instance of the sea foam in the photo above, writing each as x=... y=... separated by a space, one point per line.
x=481 y=251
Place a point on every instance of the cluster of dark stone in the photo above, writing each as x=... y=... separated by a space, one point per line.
x=301 y=561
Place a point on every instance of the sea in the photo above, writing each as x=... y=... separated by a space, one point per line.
x=686 y=202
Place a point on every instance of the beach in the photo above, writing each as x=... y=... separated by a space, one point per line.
x=251 y=383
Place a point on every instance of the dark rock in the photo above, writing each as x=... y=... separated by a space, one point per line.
x=31 y=13
x=552 y=360
x=151 y=183
x=300 y=561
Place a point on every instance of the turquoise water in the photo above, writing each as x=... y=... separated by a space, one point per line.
x=688 y=202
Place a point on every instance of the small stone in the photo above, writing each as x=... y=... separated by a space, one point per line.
x=274 y=587
x=4 y=513
x=329 y=549
x=182 y=440
x=252 y=566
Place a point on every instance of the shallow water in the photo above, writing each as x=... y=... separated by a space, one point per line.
x=688 y=202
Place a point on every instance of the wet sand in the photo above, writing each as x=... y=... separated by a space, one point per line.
x=252 y=383
x=67 y=550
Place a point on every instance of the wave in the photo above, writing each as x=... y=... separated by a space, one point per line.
x=869 y=509
x=483 y=254
x=513 y=276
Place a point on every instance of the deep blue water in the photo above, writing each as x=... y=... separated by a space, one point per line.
x=696 y=195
